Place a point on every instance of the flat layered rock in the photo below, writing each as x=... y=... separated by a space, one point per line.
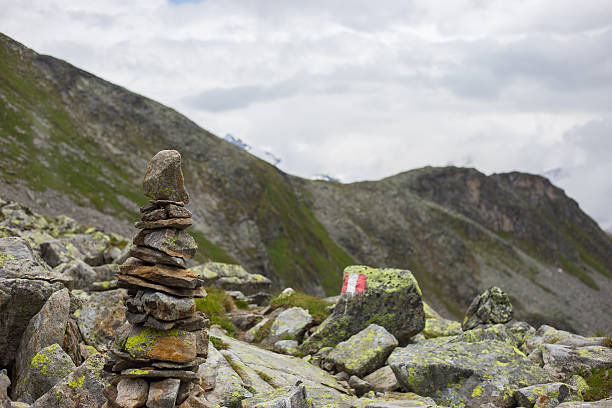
x=163 y=274
x=161 y=306
x=173 y=242
x=162 y=394
x=176 y=211
x=132 y=393
x=155 y=214
x=165 y=345
x=197 y=322
x=163 y=179
x=153 y=256
x=177 y=223
x=132 y=282
x=19 y=261
x=184 y=375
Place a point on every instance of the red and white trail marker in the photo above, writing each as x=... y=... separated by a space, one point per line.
x=354 y=283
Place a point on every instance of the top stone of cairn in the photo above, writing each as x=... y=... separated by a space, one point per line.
x=163 y=179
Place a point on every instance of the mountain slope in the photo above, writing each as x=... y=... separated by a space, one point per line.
x=74 y=143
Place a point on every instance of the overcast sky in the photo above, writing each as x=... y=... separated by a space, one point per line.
x=363 y=89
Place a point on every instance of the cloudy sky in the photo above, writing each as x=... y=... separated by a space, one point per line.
x=362 y=89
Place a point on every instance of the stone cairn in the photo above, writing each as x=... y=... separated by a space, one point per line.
x=156 y=357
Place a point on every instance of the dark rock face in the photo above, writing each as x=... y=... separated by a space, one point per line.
x=491 y=307
x=391 y=298
x=163 y=178
x=20 y=300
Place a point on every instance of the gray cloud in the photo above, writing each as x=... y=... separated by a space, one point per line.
x=365 y=91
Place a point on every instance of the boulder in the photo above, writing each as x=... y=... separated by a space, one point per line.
x=290 y=324
x=19 y=261
x=441 y=328
x=132 y=393
x=162 y=394
x=48 y=367
x=288 y=347
x=562 y=361
x=383 y=380
x=546 y=395
x=20 y=300
x=473 y=374
x=232 y=277
x=363 y=352
x=490 y=307
x=89 y=248
x=173 y=242
x=259 y=331
x=163 y=179
x=549 y=335
x=82 y=388
x=390 y=298
x=100 y=316
x=47 y=327
x=430 y=312
x=360 y=386
x=164 y=345
x=81 y=275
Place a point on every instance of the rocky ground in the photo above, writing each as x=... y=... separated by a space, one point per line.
x=377 y=344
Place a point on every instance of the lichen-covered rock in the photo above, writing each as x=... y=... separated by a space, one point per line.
x=497 y=332
x=430 y=312
x=163 y=179
x=288 y=347
x=232 y=277
x=295 y=397
x=290 y=324
x=162 y=394
x=5 y=382
x=48 y=367
x=176 y=346
x=473 y=374
x=132 y=392
x=391 y=298
x=82 y=388
x=441 y=328
x=19 y=261
x=100 y=316
x=89 y=248
x=561 y=361
x=81 y=275
x=258 y=331
x=546 y=395
x=173 y=242
x=607 y=403
x=549 y=335
x=47 y=327
x=490 y=307
x=363 y=352
x=20 y=300
x=383 y=380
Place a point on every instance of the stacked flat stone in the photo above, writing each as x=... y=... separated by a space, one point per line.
x=156 y=359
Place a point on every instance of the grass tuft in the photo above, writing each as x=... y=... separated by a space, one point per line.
x=600 y=385
x=215 y=305
x=315 y=306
